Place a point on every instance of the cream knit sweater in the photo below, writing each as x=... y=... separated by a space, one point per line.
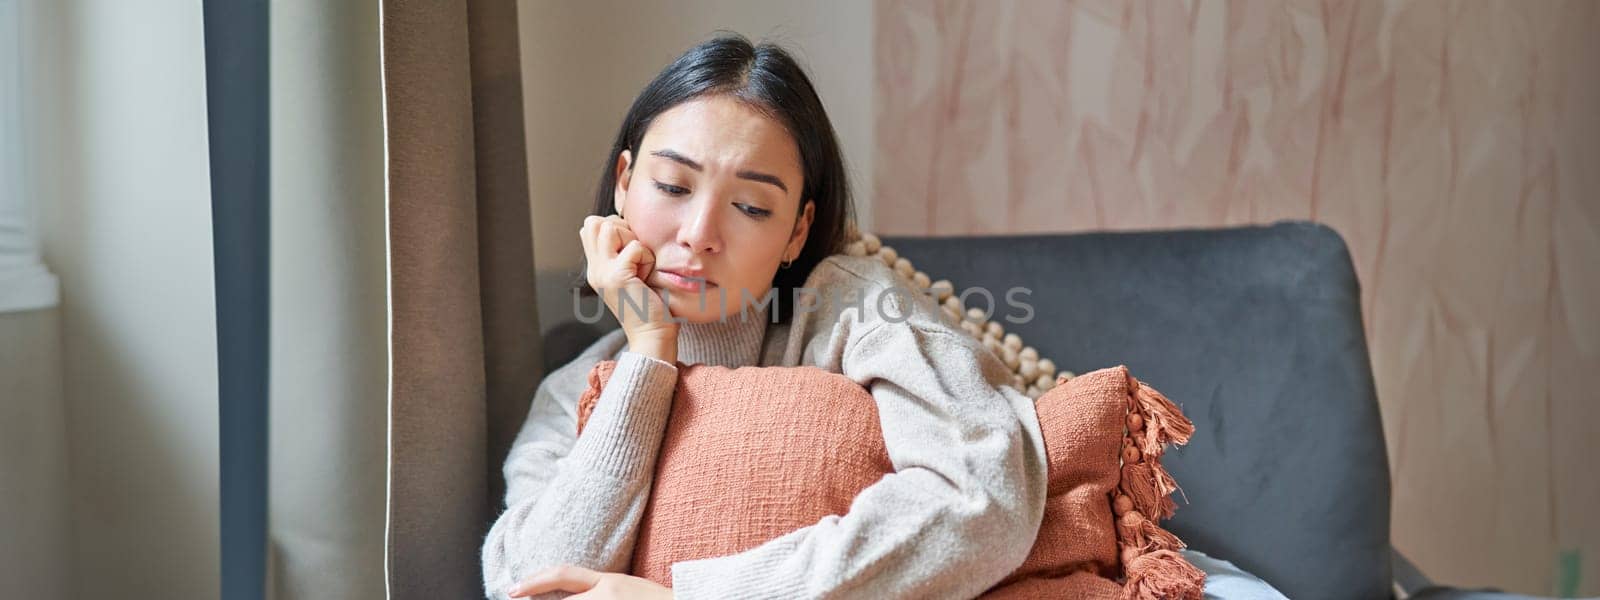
x=959 y=514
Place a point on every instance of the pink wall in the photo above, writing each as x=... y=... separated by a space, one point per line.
x=1455 y=146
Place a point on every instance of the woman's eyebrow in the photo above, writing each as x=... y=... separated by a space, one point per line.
x=674 y=156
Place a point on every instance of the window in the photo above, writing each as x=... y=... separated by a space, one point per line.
x=25 y=283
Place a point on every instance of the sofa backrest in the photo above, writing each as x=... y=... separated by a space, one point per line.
x=1256 y=332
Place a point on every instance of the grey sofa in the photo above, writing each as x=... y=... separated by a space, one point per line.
x=1257 y=333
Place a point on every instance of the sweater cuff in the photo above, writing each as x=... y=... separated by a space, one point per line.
x=746 y=575
x=623 y=434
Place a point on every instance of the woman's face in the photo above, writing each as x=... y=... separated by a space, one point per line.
x=715 y=194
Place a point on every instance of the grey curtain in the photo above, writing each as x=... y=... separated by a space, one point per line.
x=464 y=334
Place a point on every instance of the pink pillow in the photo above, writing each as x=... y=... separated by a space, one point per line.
x=753 y=453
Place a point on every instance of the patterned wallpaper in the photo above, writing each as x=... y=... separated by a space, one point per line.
x=1455 y=146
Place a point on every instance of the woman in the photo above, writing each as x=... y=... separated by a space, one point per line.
x=726 y=170
x=726 y=183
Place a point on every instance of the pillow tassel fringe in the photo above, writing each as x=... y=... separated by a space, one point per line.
x=1151 y=565
x=598 y=376
x=1163 y=575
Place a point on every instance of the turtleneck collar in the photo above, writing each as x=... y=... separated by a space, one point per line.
x=735 y=341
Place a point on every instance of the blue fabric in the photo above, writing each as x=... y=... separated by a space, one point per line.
x=1224 y=581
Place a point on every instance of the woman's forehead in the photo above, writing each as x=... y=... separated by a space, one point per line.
x=724 y=133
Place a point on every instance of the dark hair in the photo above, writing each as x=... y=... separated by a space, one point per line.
x=766 y=78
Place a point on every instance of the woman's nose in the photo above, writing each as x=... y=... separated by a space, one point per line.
x=699 y=229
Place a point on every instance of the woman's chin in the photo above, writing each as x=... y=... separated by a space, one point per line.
x=690 y=308
x=690 y=311
x=695 y=314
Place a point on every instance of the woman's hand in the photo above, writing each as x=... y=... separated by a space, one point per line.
x=619 y=264
x=590 y=585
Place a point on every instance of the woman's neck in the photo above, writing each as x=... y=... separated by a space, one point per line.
x=735 y=341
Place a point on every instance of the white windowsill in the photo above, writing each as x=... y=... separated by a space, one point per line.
x=28 y=288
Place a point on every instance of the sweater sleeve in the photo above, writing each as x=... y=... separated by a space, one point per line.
x=578 y=500
x=959 y=513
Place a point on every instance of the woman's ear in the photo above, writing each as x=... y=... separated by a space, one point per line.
x=802 y=230
x=619 y=192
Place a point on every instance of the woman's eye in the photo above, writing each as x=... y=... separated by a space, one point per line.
x=671 y=190
x=759 y=213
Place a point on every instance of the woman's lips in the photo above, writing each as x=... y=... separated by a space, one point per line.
x=684 y=283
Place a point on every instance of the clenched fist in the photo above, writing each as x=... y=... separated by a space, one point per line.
x=618 y=265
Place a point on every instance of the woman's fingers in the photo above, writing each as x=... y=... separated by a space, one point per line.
x=583 y=237
x=647 y=262
x=565 y=578
x=629 y=255
x=604 y=236
x=619 y=263
x=635 y=254
x=586 y=234
x=623 y=231
x=607 y=241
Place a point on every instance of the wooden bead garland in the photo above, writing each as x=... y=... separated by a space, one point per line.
x=1031 y=374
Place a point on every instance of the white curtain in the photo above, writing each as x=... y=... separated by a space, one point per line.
x=329 y=333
